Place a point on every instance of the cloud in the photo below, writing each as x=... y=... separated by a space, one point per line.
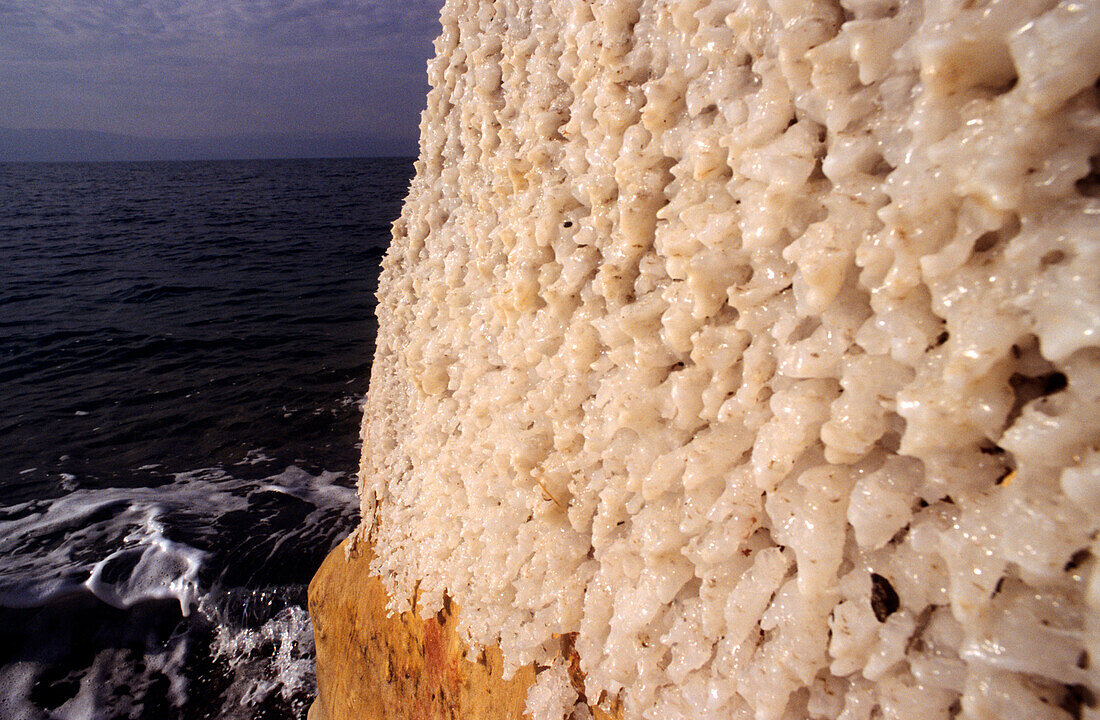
x=143 y=25
x=189 y=68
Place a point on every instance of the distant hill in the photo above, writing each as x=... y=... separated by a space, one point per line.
x=83 y=145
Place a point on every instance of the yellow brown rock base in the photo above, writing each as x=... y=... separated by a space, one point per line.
x=401 y=667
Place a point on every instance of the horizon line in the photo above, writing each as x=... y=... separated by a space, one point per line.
x=74 y=145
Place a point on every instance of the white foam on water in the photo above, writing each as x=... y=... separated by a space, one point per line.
x=113 y=542
x=162 y=569
x=115 y=686
x=255 y=456
x=118 y=545
x=68 y=482
x=352 y=399
x=108 y=541
x=16 y=681
x=319 y=490
x=288 y=671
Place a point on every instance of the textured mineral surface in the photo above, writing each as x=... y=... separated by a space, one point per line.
x=372 y=664
x=754 y=347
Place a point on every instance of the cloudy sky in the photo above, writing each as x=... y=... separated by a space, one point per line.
x=202 y=68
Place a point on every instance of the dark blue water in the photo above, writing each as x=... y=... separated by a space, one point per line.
x=183 y=347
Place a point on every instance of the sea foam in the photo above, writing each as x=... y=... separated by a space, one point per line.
x=125 y=600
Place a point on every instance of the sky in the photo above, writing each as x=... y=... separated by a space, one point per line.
x=193 y=69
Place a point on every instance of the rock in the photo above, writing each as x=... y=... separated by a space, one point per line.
x=753 y=350
x=372 y=665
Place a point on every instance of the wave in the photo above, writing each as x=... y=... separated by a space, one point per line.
x=151 y=596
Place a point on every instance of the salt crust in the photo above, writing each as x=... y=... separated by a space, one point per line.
x=757 y=345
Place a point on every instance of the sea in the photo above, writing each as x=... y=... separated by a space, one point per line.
x=184 y=348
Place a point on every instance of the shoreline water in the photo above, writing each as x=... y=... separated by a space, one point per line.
x=186 y=346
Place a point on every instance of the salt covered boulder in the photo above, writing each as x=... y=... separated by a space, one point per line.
x=754 y=348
